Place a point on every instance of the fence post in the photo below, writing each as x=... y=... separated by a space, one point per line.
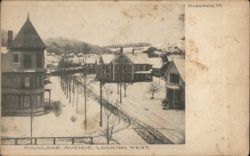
x=15 y=141
x=35 y=141
x=54 y=141
x=72 y=141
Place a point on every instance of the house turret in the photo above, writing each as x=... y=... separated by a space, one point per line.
x=23 y=71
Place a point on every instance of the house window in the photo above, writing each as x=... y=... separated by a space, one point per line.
x=27 y=82
x=39 y=81
x=173 y=95
x=148 y=76
x=27 y=60
x=10 y=101
x=39 y=100
x=26 y=102
x=174 y=78
x=137 y=67
x=39 y=60
x=15 y=58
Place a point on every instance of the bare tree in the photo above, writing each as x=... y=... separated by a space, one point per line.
x=154 y=88
x=112 y=123
x=109 y=118
x=125 y=86
x=85 y=99
x=110 y=126
x=82 y=88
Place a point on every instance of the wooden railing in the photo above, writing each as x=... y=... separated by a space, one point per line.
x=46 y=140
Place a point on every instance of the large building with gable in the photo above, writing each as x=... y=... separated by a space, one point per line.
x=23 y=72
x=124 y=68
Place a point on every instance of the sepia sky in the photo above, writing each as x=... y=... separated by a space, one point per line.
x=111 y=23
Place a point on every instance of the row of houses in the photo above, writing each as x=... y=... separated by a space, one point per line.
x=130 y=68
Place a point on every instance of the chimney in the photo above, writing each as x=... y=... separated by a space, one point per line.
x=10 y=37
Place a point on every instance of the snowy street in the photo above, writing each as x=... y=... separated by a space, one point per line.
x=138 y=104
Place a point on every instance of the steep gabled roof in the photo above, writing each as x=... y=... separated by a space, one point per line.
x=27 y=37
x=121 y=58
x=171 y=57
x=126 y=58
x=180 y=66
x=107 y=58
x=138 y=58
x=156 y=62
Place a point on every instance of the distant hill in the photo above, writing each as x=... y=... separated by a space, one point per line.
x=127 y=45
x=62 y=45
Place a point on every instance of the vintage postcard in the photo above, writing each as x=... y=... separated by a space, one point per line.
x=124 y=77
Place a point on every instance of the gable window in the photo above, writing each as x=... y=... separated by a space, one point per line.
x=174 y=78
x=15 y=58
x=27 y=82
x=27 y=60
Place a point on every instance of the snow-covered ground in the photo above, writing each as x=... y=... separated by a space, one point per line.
x=137 y=104
x=49 y=125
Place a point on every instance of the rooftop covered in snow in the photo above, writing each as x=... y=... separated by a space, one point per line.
x=179 y=63
x=139 y=58
x=135 y=58
x=156 y=62
x=171 y=57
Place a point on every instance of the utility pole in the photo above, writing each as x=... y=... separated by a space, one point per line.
x=85 y=102
x=70 y=90
x=73 y=90
x=100 y=123
x=77 y=92
x=118 y=88
x=67 y=87
x=31 y=122
x=120 y=92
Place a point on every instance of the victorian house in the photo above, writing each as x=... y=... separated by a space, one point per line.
x=23 y=73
